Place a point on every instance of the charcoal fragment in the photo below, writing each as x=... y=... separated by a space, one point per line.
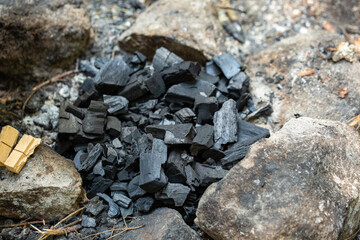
x=79 y=158
x=213 y=153
x=117 y=104
x=205 y=107
x=112 y=76
x=203 y=139
x=163 y=58
x=85 y=99
x=173 y=194
x=98 y=169
x=68 y=126
x=100 y=62
x=125 y=212
x=91 y=158
x=99 y=185
x=235 y=30
x=116 y=142
x=113 y=126
x=88 y=69
x=114 y=209
x=204 y=76
x=263 y=111
x=111 y=156
x=156 y=85
x=119 y=186
x=77 y=112
x=110 y=171
x=136 y=86
x=94 y=206
x=128 y=134
x=173 y=134
x=208 y=174
x=186 y=115
x=248 y=130
x=228 y=64
x=88 y=84
x=185 y=93
x=192 y=178
x=175 y=168
x=87 y=221
x=212 y=69
x=239 y=82
x=95 y=116
x=180 y=72
x=225 y=124
x=121 y=200
x=144 y=204
x=123 y=175
x=134 y=189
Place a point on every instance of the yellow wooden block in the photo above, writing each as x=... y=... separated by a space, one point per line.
x=9 y=136
x=4 y=153
x=18 y=157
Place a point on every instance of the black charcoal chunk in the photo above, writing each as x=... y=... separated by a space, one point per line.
x=203 y=139
x=186 y=115
x=136 y=86
x=113 y=127
x=95 y=116
x=98 y=169
x=173 y=134
x=192 y=179
x=205 y=107
x=180 y=72
x=99 y=185
x=163 y=58
x=114 y=209
x=144 y=204
x=91 y=158
x=128 y=134
x=87 y=221
x=110 y=171
x=125 y=212
x=77 y=112
x=248 y=130
x=208 y=174
x=100 y=62
x=175 y=167
x=225 y=124
x=79 y=158
x=111 y=156
x=136 y=61
x=242 y=101
x=94 y=206
x=68 y=126
x=88 y=69
x=84 y=100
x=121 y=200
x=239 y=82
x=204 y=76
x=173 y=194
x=212 y=69
x=116 y=142
x=185 y=93
x=228 y=64
x=123 y=175
x=235 y=30
x=156 y=85
x=263 y=111
x=113 y=76
x=213 y=153
x=222 y=86
x=119 y=186
x=134 y=189
x=117 y=104
x=152 y=176
x=88 y=84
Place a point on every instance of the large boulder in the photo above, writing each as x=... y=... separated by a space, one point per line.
x=162 y=224
x=48 y=186
x=301 y=183
x=38 y=38
x=274 y=75
x=189 y=28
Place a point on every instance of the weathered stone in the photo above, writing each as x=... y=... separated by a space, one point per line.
x=301 y=183
x=161 y=224
x=47 y=178
x=188 y=28
x=34 y=38
x=313 y=96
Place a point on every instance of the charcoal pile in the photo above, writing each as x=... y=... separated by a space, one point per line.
x=146 y=136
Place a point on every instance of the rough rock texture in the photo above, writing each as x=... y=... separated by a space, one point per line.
x=188 y=28
x=162 y=224
x=301 y=183
x=40 y=37
x=48 y=186
x=316 y=95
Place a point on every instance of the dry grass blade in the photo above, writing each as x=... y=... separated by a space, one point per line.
x=113 y=230
x=20 y=224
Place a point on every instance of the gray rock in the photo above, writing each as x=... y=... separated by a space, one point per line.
x=301 y=183
x=31 y=50
x=188 y=28
x=161 y=224
x=47 y=178
x=225 y=124
x=307 y=96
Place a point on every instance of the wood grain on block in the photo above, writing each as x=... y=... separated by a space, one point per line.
x=8 y=138
x=18 y=157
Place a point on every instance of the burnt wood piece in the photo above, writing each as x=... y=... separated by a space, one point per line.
x=204 y=76
x=208 y=174
x=156 y=85
x=117 y=104
x=186 y=115
x=91 y=158
x=113 y=126
x=163 y=58
x=144 y=204
x=121 y=199
x=205 y=107
x=173 y=134
x=180 y=72
x=228 y=64
x=95 y=116
x=76 y=111
x=85 y=99
x=99 y=185
x=235 y=30
x=173 y=194
x=212 y=69
x=134 y=190
x=136 y=87
x=175 y=167
x=113 y=76
x=185 y=93
x=192 y=178
x=114 y=209
x=203 y=139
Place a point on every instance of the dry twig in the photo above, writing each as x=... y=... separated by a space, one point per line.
x=20 y=224
x=307 y=72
